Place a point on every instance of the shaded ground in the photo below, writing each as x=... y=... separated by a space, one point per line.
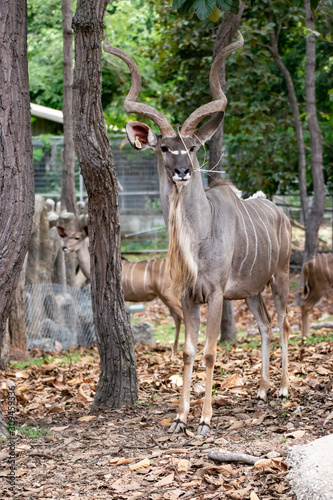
x=64 y=452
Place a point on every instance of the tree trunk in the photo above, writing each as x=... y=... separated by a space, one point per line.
x=5 y=350
x=228 y=27
x=118 y=380
x=228 y=325
x=38 y=268
x=318 y=205
x=16 y=171
x=16 y=324
x=297 y=124
x=68 y=195
x=68 y=221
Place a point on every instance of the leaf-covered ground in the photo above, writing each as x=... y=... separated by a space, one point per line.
x=64 y=451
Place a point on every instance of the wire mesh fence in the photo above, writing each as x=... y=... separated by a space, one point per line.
x=58 y=316
x=138 y=183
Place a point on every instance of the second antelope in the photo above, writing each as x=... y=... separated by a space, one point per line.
x=317 y=281
x=142 y=281
x=220 y=246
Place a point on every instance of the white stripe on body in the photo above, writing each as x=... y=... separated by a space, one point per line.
x=286 y=229
x=134 y=264
x=153 y=275
x=328 y=269
x=255 y=237
x=247 y=241
x=162 y=284
x=268 y=239
x=145 y=275
x=275 y=211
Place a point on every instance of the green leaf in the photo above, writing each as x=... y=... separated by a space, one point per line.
x=324 y=115
x=177 y=4
x=295 y=3
x=314 y=4
x=203 y=8
x=228 y=5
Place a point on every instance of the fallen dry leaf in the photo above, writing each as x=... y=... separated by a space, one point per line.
x=139 y=465
x=233 y=381
x=22 y=374
x=82 y=397
x=296 y=434
x=59 y=429
x=165 y=481
x=120 y=461
x=183 y=465
x=88 y=418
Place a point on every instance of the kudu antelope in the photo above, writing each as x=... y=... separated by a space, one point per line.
x=220 y=246
x=142 y=281
x=317 y=281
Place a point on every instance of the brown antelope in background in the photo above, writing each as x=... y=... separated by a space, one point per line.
x=317 y=281
x=142 y=281
x=220 y=246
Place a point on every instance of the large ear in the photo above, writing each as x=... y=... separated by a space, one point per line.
x=62 y=232
x=140 y=135
x=208 y=129
x=85 y=230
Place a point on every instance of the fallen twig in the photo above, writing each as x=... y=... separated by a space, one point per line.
x=219 y=456
x=324 y=324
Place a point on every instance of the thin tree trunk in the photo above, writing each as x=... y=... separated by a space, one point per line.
x=228 y=27
x=318 y=205
x=118 y=380
x=68 y=196
x=16 y=171
x=297 y=124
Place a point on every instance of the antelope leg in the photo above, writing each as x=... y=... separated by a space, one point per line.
x=260 y=313
x=214 y=316
x=280 y=290
x=192 y=322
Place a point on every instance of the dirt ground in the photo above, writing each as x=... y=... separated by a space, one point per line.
x=128 y=454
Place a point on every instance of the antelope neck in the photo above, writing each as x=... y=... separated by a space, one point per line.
x=194 y=207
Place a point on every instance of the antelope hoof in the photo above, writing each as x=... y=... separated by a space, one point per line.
x=203 y=429
x=283 y=392
x=262 y=395
x=177 y=427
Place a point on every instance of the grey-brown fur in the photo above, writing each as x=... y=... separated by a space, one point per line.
x=220 y=246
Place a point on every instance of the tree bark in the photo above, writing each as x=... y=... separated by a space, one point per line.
x=318 y=205
x=273 y=48
x=228 y=27
x=68 y=195
x=118 y=380
x=16 y=164
x=16 y=324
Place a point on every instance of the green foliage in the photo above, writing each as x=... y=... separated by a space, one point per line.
x=204 y=8
x=45 y=52
x=22 y=365
x=32 y=432
x=174 y=55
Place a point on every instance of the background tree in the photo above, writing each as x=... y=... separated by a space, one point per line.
x=16 y=173
x=118 y=381
x=226 y=30
x=318 y=204
x=68 y=195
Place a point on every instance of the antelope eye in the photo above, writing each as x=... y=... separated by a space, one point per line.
x=77 y=237
x=192 y=149
x=164 y=149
